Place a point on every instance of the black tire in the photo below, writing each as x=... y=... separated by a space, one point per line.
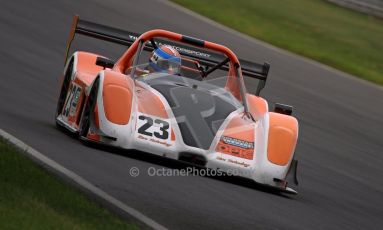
x=87 y=115
x=64 y=88
x=283 y=109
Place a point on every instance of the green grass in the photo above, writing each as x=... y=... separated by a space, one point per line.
x=31 y=198
x=344 y=39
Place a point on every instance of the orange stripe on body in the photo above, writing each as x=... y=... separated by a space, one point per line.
x=150 y=103
x=257 y=106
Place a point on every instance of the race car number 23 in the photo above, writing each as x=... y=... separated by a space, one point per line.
x=153 y=127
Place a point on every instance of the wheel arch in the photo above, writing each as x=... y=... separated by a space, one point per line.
x=85 y=69
x=117 y=97
x=282 y=138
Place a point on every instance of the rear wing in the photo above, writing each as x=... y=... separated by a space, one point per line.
x=204 y=57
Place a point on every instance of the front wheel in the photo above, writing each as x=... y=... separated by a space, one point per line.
x=88 y=112
x=64 y=88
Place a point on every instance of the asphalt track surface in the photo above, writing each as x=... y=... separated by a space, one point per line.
x=341 y=125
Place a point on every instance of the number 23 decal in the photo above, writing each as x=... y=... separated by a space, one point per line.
x=163 y=132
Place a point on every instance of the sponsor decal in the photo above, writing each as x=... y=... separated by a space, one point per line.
x=153 y=140
x=221 y=159
x=70 y=108
x=236 y=147
x=133 y=37
x=241 y=163
x=179 y=49
x=188 y=51
x=75 y=100
x=238 y=143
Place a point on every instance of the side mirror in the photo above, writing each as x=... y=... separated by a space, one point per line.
x=283 y=109
x=104 y=62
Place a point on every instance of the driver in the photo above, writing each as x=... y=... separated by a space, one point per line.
x=165 y=59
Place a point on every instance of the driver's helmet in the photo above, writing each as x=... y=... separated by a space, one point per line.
x=165 y=59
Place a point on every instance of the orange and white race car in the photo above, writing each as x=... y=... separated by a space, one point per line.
x=178 y=97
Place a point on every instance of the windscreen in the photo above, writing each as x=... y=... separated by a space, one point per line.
x=199 y=102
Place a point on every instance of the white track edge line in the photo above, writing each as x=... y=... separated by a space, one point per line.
x=61 y=170
x=269 y=46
